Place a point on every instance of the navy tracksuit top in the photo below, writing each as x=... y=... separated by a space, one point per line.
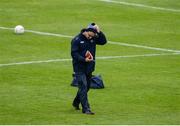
x=79 y=45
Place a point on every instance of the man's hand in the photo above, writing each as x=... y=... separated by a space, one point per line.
x=97 y=28
x=88 y=60
x=88 y=56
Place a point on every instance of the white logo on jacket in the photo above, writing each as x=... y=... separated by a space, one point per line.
x=92 y=41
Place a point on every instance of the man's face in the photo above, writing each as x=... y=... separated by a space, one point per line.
x=90 y=35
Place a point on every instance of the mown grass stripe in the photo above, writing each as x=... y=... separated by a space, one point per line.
x=110 y=42
x=140 y=5
x=100 y=58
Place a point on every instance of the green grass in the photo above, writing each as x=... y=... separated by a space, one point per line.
x=139 y=90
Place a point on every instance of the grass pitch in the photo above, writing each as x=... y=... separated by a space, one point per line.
x=138 y=90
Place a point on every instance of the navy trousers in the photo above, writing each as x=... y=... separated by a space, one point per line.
x=84 y=81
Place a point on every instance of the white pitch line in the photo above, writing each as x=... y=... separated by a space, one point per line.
x=141 y=5
x=34 y=62
x=110 y=42
x=99 y=58
x=40 y=33
x=50 y=34
x=133 y=56
x=6 y=28
x=145 y=47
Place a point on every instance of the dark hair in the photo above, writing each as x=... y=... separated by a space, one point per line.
x=89 y=29
x=92 y=30
x=93 y=24
x=83 y=30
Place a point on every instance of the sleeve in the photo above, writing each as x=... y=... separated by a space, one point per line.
x=75 y=51
x=101 y=39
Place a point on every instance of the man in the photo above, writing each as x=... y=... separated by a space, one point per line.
x=83 y=50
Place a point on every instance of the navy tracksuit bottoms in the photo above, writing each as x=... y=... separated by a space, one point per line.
x=84 y=81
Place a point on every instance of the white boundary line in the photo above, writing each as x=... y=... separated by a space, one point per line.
x=142 y=46
x=35 y=62
x=110 y=42
x=134 y=56
x=40 y=33
x=99 y=58
x=140 y=5
x=48 y=34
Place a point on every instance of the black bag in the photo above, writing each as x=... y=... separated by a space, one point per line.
x=96 y=82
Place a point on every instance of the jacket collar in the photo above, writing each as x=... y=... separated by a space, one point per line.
x=83 y=37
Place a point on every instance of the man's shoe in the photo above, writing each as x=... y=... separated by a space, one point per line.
x=76 y=107
x=89 y=112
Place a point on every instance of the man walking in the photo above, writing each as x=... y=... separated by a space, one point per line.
x=83 y=50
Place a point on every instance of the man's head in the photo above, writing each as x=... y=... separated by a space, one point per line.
x=90 y=33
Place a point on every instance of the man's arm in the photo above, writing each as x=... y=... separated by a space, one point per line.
x=75 y=51
x=101 y=39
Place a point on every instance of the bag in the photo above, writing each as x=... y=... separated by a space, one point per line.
x=96 y=82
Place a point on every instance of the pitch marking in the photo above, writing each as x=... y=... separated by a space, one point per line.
x=140 y=5
x=99 y=58
x=110 y=42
